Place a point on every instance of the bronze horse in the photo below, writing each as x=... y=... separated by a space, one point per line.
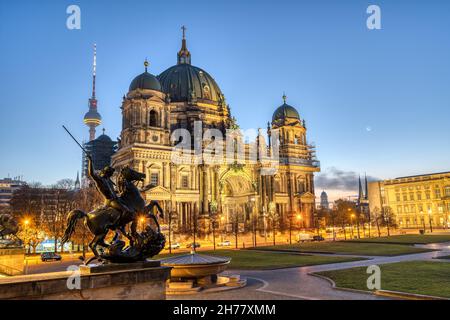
x=103 y=219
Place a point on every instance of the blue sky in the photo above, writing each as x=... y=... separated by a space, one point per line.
x=343 y=78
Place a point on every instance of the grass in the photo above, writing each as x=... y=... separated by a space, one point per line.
x=406 y=239
x=254 y=260
x=348 y=247
x=417 y=277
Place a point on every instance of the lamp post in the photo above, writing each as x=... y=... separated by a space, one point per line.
x=429 y=219
x=213 y=210
x=290 y=229
x=252 y=201
x=423 y=221
x=351 y=222
x=26 y=222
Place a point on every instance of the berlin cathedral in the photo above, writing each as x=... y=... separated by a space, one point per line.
x=200 y=196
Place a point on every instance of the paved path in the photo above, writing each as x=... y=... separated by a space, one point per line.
x=297 y=283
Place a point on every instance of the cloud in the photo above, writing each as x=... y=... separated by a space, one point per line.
x=336 y=179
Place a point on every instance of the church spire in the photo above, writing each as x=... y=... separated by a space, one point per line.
x=366 y=193
x=184 y=56
x=360 y=191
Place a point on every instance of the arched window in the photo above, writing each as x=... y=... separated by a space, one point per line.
x=153 y=119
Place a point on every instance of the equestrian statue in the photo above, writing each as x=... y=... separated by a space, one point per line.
x=121 y=208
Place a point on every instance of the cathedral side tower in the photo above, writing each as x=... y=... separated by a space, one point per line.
x=145 y=113
x=294 y=183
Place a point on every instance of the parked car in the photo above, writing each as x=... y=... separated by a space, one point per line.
x=50 y=256
x=303 y=237
x=175 y=246
x=193 y=245
x=225 y=243
x=318 y=238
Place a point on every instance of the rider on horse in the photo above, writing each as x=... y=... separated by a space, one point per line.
x=105 y=186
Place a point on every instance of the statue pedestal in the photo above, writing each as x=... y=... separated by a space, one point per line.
x=12 y=260
x=112 y=267
x=126 y=281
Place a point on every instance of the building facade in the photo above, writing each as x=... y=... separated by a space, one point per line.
x=7 y=188
x=226 y=193
x=415 y=201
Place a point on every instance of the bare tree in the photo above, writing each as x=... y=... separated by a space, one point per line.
x=64 y=184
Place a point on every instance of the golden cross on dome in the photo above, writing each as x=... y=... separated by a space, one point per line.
x=146 y=64
x=184 y=31
x=284 y=97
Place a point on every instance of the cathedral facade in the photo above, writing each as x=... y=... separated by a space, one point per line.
x=201 y=196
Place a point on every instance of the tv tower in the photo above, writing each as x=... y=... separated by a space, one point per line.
x=92 y=118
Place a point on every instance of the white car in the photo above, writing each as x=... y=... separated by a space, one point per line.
x=225 y=243
x=304 y=237
x=175 y=245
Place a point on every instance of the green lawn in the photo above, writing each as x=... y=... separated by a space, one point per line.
x=347 y=247
x=407 y=239
x=246 y=259
x=418 y=277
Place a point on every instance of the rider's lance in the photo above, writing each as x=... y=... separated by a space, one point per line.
x=84 y=150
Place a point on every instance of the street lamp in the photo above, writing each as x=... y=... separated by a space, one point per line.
x=423 y=221
x=252 y=201
x=429 y=219
x=26 y=222
x=351 y=221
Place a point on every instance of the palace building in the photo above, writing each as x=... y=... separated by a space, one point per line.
x=220 y=195
x=416 y=201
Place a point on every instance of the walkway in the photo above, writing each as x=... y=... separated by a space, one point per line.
x=297 y=283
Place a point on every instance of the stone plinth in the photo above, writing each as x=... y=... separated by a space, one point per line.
x=129 y=281
x=12 y=261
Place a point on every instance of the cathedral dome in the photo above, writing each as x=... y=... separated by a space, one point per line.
x=185 y=82
x=285 y=111
x=104 y=138
x=145 y=81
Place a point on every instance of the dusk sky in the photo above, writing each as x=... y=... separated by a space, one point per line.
x=375 y=101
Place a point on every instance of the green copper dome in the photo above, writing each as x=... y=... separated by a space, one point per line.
x=285 y=111
x=145 y=81
x=185 y=82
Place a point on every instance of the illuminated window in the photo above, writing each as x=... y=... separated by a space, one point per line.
x=447 y=191
x=398 y=197
x=154 y=178
x=419 y=195
x=185 y=181
x=437 y=193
